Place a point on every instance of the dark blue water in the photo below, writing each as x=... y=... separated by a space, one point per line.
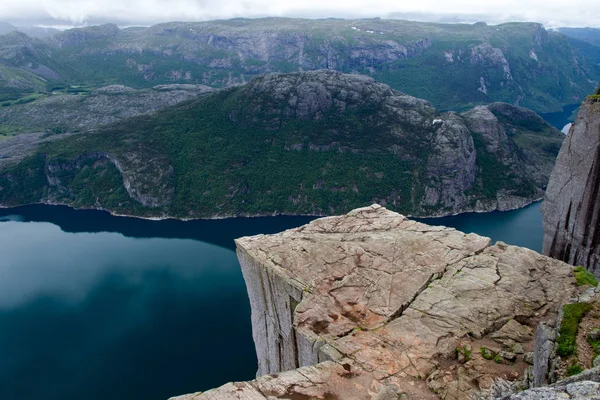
x=100 y=307
x=561 y=118
x=520 y=227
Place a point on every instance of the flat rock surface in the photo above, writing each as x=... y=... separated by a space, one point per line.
x=392 y=302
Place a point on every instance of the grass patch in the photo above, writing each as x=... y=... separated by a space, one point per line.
x=574 y=369
x=487 y=353
x=584 y=277
x=573 y=313
x=465 y=351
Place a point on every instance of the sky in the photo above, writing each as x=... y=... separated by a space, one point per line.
x=68 y=13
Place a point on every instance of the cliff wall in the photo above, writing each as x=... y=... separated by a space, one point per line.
x=372 y=305
x=571 y=207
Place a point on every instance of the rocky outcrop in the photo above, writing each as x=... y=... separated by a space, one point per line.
x=371 y=305
x=545 y=337
x=67 y=113
x=583 y=386
x=571 y=207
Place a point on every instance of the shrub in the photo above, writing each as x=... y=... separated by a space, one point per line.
x=574 y=369
x=584 y=277
x=573 y=313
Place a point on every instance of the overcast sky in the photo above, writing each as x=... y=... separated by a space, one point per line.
x=552 y=13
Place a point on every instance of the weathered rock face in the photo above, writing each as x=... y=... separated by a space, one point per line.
x=583 y=386
x=371 y=304
x=571 y=208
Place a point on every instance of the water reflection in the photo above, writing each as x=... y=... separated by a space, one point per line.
x=101 y=315
x=99 y=307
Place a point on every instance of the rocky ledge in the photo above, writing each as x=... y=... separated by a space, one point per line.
x=372 y=305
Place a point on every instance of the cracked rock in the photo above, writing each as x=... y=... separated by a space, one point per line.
x=371 y=300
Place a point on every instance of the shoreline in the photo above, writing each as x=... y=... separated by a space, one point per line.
x=275 y=214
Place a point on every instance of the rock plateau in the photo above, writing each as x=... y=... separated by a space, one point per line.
x=372 y=305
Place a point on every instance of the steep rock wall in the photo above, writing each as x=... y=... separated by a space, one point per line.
x=571 y=207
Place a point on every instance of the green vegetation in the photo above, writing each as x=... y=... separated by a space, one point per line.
x=240 y=151
x=443 y=63
x=465 y=351
x=584 y=277
x=572 y=315
x=574 y=369
x=595 y=344
x=487 y=353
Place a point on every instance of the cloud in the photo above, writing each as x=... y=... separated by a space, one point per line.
x=551 y=13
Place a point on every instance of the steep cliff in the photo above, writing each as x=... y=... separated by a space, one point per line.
x=371 y=305
x=571 y=208
x=317 y=142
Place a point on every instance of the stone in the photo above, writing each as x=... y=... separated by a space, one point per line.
x=596 y=362
x=529 y=358
x=370 y=303
x=543 y=346
x=518 y=348
x=570 y=209
x=595 y=334
x=507 y=355
x=513 y=332
x=582 y=390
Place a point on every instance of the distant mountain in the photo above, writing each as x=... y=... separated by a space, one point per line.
x=33 y=31
x=317 y=142
x=5 y=28
x=590 y=35
x=86 y=111
x=455 y=66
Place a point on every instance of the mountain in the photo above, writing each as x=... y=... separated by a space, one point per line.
x=590 y=35
x=81 y=112
x=570 y=209
x=315 y=142
x=454 y=66
x=5 y=28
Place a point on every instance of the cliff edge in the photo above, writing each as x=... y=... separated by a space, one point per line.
x=571 y=207
x=372 y=305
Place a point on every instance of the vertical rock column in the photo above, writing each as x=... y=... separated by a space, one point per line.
x=571 y=209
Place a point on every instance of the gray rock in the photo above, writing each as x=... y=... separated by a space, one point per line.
x=595 y=334
x=103 y=106
x=518 y=348
x=508 y=355
x=543 y=347
x=596 y=362
x=529 y=358
x=570 y=209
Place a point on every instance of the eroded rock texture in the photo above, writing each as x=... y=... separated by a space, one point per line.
x=571 y=208
x=372 y=305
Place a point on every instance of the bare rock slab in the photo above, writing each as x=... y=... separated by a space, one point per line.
x=371 y=304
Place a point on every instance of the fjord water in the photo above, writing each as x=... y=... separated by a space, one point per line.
x=100 y=307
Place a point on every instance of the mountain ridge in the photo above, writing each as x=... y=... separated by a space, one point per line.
x=313 y=143
x=455 y=66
